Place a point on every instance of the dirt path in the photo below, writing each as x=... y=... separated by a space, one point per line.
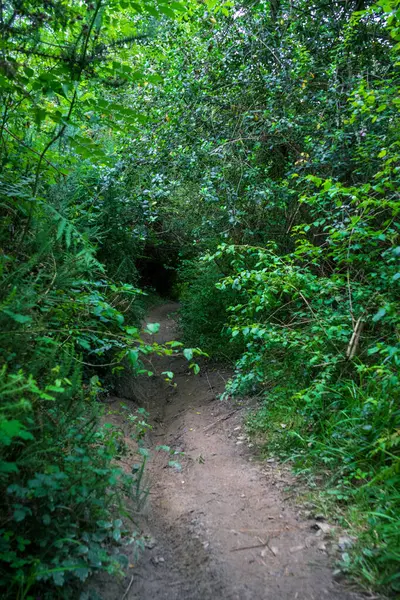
x=223 y=527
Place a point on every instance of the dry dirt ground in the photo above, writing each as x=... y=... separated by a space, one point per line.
x=224 y=527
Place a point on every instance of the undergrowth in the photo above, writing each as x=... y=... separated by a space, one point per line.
x=70 y=306
x=350 y=446
x=202 y=311
x=65 y=501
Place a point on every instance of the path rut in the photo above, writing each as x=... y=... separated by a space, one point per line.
x=223 y=528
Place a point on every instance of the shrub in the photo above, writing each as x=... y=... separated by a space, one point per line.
x=63 y=491
x=203 y=311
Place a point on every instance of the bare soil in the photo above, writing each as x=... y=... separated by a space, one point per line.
x=225 y=527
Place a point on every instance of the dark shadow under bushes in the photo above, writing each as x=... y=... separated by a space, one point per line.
x=203 y=313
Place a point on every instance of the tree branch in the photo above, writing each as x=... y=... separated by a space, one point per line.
x=32 y=150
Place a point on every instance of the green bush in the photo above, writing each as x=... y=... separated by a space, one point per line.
x=63 y=323
x=63 y=492
x=275 y=132
x=330 y=396
x=203 y=311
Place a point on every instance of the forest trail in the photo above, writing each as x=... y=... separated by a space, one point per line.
x=223 y=527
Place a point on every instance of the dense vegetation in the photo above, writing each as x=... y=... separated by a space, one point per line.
x=70 y=306
x=244 y=157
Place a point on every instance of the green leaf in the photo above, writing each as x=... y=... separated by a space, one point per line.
x=61 y=226
x=117 y=535
x=83 y=573
x=12 y=428
x=154 y=79
x=175 y=465
x=195 y=367
x=151 y=10
x=174 y=344
x=132 y=331
x=23 y=319
x=188 y=353
x=136 y=7
x=378 y=316
x=58 y=578
x=169 y=374
x=153 y=327
x=133 y=357
x=166 y=11
x=8 y=467
x=177 y=6
x=83 y=343
x=20 y=513
x=104 y=524
x=163 y=448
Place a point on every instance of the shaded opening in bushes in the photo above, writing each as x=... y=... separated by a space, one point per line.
x=157 y=270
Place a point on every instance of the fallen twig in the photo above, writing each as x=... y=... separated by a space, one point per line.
x=250 y=547
x=288 y=497
x=267 y=546
x=221 y=419
x=127 y=589
x=223 y=378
